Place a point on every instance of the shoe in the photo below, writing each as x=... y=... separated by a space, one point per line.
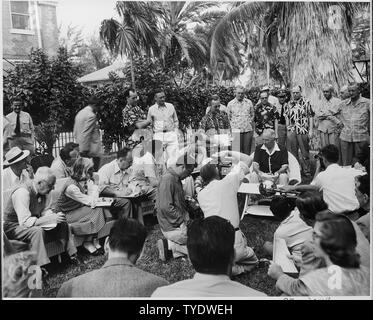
x=90 y=247
x=96 y=243
x=164 y=253
x=74 y=260
x=44 y=272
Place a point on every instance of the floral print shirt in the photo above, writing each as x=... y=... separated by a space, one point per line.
x=299 y=114
x=241 y=114
x=131 y=115
x=218 y=121
x=264 y=117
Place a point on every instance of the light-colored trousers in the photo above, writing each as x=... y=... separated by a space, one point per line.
x=177 y=240
x=300 y=141
x=244 y=256
x=170 y=143
x=283 y=179
x=37 y=237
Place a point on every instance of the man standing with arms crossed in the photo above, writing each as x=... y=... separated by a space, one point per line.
x=355 y=113
x=328 y=122
x=241 y=117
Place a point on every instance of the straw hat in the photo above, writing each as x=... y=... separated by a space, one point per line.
x=15 y=155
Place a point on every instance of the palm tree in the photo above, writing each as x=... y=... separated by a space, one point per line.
x=316 y=36
x=136 y=33
x=179 y=45
x=230 y=64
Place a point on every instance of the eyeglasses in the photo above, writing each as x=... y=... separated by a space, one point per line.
x=316 y=236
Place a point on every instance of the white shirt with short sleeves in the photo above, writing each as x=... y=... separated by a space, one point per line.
x=338 y=187
x=219 y=197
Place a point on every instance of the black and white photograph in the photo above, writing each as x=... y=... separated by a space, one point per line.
x=186 y=150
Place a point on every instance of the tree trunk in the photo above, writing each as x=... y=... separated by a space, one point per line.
x=268 y=69
x=132 y=74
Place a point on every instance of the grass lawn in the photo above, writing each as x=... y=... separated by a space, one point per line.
x=257 y=230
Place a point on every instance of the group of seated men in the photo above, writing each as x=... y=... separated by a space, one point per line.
x=30 y=199
x=136 y=175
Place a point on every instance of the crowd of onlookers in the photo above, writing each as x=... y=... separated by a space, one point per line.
x=325 y=223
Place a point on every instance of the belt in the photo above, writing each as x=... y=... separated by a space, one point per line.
x=236 y=229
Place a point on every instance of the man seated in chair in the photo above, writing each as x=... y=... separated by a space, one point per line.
x=61 y=166
x=26 y=218
x=16 y=172
x=270 y=161
x=120 y=179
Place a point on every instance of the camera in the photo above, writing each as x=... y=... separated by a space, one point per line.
x=319 y=156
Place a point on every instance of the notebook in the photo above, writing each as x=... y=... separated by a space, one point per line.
x=280 y=256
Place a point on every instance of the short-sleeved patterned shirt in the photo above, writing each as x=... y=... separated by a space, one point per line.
x=131 y=115
x=355 y=119
x=218 y=121
x=264 y=117
x=299 y=113
x=241 y=114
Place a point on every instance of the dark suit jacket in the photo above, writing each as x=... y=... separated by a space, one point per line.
x=117 y=278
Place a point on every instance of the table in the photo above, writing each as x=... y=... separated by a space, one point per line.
x=253 y=208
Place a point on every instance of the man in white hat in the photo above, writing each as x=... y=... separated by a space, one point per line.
x=16 y=171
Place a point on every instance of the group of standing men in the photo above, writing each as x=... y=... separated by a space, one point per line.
x=343 y=122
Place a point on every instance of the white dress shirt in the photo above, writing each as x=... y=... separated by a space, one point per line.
x=10 y=180
x=219 y=197
x=163 y=118
x=21 y=205
x=207 y=285
x=73 y=192
x=146 y=163
x=111 y=175
x=338 y=187
x=59 y=168
x=294 y=231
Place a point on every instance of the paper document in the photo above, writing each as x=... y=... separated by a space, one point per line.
x=249 y=188
x=104 y=202
x=258 y=210
x=280 y=256
x=49 y=226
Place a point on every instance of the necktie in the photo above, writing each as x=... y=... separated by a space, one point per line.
x=17 y=130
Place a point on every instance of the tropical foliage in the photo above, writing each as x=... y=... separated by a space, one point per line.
x=51 y=93
x=190 y=102
x=316 y=36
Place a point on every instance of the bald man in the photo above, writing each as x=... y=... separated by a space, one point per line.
x=27 y=219
x=329 y=123
x=270 y=161
x=355 y=115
